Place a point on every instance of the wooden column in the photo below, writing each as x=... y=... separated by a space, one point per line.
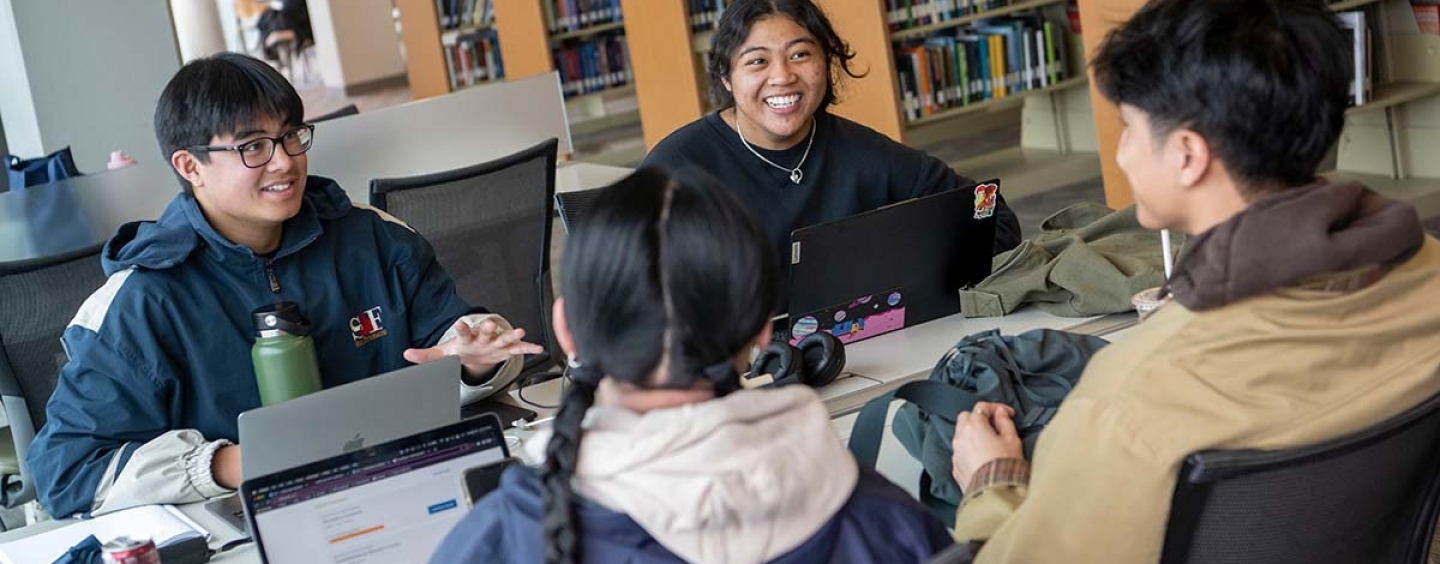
x=666 y=86
x=425 y=61
x=1097 y=19
x=524 y=37
x=875 y=99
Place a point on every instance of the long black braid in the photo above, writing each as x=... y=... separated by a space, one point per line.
x=561 y=455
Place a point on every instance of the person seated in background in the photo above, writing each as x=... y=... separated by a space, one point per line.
x=294 y=17
x=145 y=410
x=666 y=288
x=774 y=69
x=1302 y=310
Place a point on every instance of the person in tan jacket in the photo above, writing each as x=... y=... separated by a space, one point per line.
x=1303 y=309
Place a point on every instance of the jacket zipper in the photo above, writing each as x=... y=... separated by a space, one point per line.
x=270 y=274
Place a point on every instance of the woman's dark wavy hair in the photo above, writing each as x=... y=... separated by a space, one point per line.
x=218 y=96
x=667 y=269
x=1263 y=81
x=735 y=25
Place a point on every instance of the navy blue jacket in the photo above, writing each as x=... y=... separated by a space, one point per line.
x=165 y=344
x=880 y=524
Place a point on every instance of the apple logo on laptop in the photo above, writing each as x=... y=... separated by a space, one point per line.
x=356 y=443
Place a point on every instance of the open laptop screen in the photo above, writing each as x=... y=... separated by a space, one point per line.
x=393 y=502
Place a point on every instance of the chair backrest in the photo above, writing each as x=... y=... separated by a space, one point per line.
x=348 y=110
x=38 y=298
x=1367 y=497
x=574 y=205
x=490 y=227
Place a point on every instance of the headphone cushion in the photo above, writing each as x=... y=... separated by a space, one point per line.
x=780 y=361
x=824 y=358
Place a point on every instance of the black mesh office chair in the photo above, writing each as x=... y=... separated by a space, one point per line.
x=1369 y=497
x=573 y=205
x=490 y=226
x=38 y=298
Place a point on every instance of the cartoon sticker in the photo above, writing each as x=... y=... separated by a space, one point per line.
x=985 y=200
x=805 y=326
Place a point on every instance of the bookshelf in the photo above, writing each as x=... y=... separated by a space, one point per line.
x=583 y=39
x=959 y=21
x=1385 y=141
x=1057 y=141
x=668 y=89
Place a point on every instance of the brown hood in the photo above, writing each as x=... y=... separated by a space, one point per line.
x=1292 y=236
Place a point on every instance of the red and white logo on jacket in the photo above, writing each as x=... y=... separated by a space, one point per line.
x=366 y=326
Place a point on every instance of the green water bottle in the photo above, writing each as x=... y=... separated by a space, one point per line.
x=284 y=354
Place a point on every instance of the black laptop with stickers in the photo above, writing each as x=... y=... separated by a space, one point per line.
x=893 y=267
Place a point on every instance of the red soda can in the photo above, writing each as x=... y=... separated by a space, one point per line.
x=125 y=550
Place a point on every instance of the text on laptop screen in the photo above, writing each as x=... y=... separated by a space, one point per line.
x=391 y=503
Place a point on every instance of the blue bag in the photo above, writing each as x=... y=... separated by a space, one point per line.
x=24 y=173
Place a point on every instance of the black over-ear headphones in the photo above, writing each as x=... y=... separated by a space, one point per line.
x=816 y=361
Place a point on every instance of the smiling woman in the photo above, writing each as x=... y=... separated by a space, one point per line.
x=775 y=68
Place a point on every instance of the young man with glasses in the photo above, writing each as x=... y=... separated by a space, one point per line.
x=145 y=410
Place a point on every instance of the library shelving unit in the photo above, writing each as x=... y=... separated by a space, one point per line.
x=895 y=39
x=449 y=44
x=1386 y=138
x=583 y=39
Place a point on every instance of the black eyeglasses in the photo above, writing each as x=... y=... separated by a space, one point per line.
x=257 y=153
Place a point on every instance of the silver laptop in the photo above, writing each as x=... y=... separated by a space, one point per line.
x=343 y=419
x=350 y=417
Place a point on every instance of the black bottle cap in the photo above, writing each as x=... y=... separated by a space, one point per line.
x=281 y=316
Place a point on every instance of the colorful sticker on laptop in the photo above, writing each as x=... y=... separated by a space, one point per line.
x=861 y=318
x=985 y=200
x=805 y=327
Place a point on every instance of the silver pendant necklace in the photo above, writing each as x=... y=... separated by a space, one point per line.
x=796 y=175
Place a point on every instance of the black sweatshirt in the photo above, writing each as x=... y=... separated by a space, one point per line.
x=851 y=169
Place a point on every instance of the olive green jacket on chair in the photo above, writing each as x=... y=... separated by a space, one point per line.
x=1088 y=260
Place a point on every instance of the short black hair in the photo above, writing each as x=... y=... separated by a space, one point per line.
x=1263 y=81
x=734 y=27
x=218 y=96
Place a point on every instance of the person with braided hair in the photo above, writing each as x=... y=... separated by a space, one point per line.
x=657 y=454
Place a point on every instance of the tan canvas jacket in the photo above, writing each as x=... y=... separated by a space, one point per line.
x=1291 y=367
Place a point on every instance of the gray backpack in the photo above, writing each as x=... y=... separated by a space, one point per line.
x=1031 y=372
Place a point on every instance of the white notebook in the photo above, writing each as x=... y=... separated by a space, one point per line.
x=159 y=523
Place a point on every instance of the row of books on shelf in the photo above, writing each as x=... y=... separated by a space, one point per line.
x=574 y=15
x=474 y=58
x=1427 y=15
x=465 y=14
x=906 y=14
x=705 y=14
x=989 y=60
x=1360 y=43
x=593 y=65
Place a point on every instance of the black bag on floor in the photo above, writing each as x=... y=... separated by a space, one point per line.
x=1031 y=372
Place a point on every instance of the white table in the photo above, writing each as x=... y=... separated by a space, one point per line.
x=77 y=212
x=875 y=366
x=880 y=364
